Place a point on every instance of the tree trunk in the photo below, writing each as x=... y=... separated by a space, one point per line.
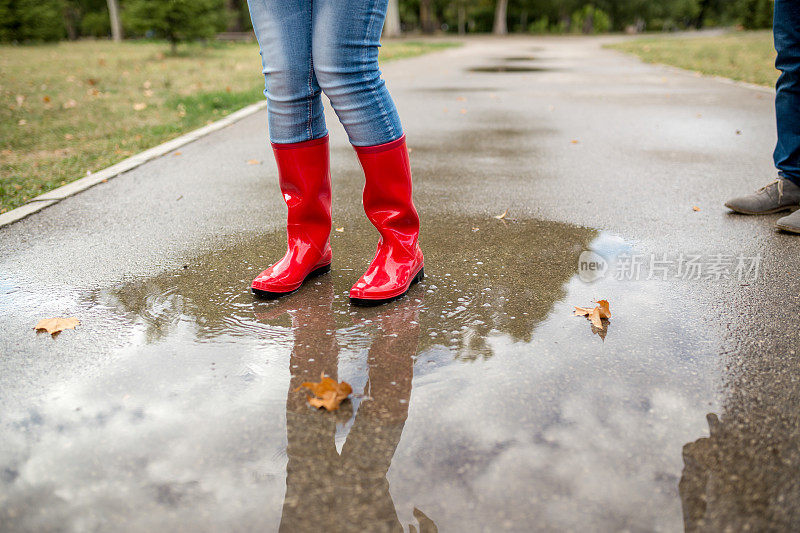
x=426 y=16
x=462 y=18
x=391 y=28
x=500 y=25
x=71 y=18
x=116 y=23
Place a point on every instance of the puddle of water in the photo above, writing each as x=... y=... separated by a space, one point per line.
x=478 y=399
x=509 y=69
x=458 y=90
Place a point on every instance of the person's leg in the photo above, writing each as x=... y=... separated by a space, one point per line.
x=786 y=26
x=784 y=193
x=283 y=29
x=345 y=41
x=299 y=141
x=346 y=37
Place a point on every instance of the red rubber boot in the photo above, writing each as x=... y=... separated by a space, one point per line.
x=398 y=261
x=305 y=181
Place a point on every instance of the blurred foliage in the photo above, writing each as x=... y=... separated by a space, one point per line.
x=32 y=20
x=175 y=20
x=178 y=20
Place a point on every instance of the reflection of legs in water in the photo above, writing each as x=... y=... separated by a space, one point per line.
x=740 y=478
x=311 y=446
x=348 y=492
x=697 y=468
x=370 y=446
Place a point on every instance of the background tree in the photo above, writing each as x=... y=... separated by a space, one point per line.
x=500 y=15
x=176 y=20
x=426 y=17
x=114 y=19
x=391 y=28
x=179 y=20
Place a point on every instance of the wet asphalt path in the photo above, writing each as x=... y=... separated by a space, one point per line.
x=480 y=403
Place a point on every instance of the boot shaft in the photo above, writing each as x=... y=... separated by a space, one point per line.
x=305 y=182
x=387 y=194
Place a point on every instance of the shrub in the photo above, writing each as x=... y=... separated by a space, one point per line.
x=541 y=25
x=756 y=14
x=32 y=20
x=590 y=19
x=96 y=24
x=175 y=20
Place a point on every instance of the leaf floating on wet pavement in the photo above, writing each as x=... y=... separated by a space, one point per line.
x=56 y=325
x=602 y=311
x=328 y=393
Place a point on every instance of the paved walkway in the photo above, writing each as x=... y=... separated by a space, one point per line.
x=480 y=402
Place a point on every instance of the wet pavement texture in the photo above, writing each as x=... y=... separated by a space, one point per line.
x=480 y=403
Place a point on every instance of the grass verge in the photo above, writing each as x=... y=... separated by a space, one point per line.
x=75 y=107
x=742 y=56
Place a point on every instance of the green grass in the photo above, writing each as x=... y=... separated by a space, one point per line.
x=74 y=107
x=743 y=56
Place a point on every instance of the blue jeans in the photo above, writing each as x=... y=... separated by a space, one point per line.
x=311 y=46
x=786 y=26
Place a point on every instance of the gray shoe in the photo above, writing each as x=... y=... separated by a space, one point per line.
x=790 y=223
x=779 y=195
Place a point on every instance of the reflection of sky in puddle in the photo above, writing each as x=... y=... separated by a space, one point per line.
x=517 y=411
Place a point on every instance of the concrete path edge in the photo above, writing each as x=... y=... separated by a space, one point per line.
x=56 y=195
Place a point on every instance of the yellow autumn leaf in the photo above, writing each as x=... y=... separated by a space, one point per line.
x=328 y=393
x=54 y=325
x=595 y=314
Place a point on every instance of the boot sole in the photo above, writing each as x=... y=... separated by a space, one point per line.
x=364 y=302
x=789 y=229
x=771 y=211
x=269 y=295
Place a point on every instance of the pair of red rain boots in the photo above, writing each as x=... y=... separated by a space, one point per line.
x=305 y=181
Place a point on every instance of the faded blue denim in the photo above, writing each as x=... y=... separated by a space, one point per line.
x=786 y=26
x=331 y=46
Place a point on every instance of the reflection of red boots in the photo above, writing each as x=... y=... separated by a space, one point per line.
x=387 y=201
x=305 y=181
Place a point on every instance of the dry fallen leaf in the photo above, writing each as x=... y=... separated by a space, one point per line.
x=327 y=393
x=605 y=308
x=574 y=141
x=139 y=106
x=54 y=325
x=502 y=215
x=596 y=314
x=253 y=162
x=695 y=208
